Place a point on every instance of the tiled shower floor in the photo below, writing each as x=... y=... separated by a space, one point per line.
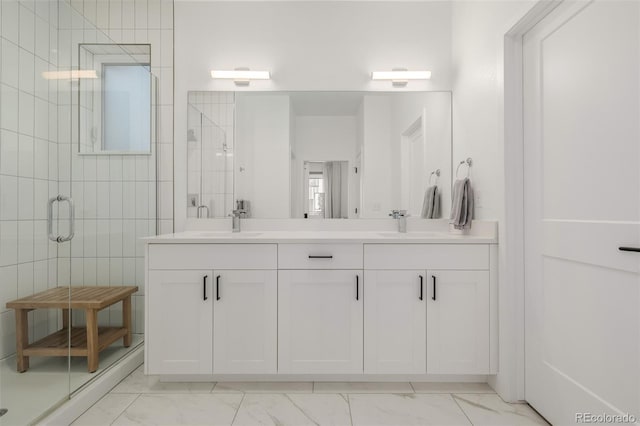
x=29 y=395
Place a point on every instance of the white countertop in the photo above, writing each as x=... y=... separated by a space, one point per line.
x=310 y=237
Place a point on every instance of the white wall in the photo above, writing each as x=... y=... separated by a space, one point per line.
x=311 y=45
x=322 y=138
x=478 y=30
x=262 y=149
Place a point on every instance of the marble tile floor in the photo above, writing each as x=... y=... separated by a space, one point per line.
x=141 y=400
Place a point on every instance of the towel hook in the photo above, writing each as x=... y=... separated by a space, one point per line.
x=435 y=172
x=468 y=162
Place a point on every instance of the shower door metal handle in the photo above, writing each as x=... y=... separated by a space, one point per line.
x=72 y=219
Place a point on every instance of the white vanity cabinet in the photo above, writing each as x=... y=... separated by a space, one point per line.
x=211 y=309
x=320 y=308
x=180 y=326
x=458 y=322
x=245 y=322
x=459 y=287
x=395 y=329
x=357 y=307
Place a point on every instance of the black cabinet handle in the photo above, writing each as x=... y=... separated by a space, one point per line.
x=218 y=287
x=421 y=288
x=357 y=287
x=204 y=287
x=434 y=287
x=633 y=249
x=311 y=256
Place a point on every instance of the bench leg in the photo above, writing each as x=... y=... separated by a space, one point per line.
x=126 y=320
x=66 y=318
x=22 y=339
x=92 y=339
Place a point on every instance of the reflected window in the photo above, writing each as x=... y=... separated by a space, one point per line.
x=127 y=107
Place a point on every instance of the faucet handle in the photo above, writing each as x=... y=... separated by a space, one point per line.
x=396 y=214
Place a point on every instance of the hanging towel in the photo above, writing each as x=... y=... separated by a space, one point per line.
x=462 y=204
x=431 y=204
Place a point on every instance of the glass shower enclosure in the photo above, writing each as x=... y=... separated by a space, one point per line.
x=78 y=190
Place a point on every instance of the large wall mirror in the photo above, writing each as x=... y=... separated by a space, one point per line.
x=319 y=155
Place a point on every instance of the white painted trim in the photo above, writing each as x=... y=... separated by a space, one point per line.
x=85 y=397
x=512 y=305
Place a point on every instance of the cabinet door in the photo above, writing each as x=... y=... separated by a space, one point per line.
x=395 y=322
x=320 y=321
x=180 y=325
x=245 y=322
x=458 y=322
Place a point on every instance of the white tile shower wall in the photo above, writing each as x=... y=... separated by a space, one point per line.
x=28 y=159
x=210 y=167
x=119 y=197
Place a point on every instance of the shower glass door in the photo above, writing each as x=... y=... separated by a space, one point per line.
x=112 y=180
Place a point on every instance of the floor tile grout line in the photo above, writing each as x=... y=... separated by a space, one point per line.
x=414 y=389
x=238 y=409
x=126 y=408
x=460 y=407
x=304 y=413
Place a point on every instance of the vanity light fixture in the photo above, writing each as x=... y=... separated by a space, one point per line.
x=400 y=76
x=69 y=75
x=241 y=76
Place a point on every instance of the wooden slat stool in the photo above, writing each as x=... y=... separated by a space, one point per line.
x=85 y=341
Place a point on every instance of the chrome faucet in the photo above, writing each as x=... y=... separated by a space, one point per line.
x=235 y=217
x=401 y=216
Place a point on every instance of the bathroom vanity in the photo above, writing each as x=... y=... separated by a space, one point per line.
x=320 y=303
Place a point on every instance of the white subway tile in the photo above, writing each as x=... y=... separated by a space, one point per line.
x=103 y=237
x=8 y=153
x=8 y=286
x=115 y=238
x=10 y=63
x=27 y=28
x=26 y=113
x=25 y=198
x=9 y=198
x=10 y=20
x=26 y=157
x=8 y=242
x=8 y=112
x=25 y=241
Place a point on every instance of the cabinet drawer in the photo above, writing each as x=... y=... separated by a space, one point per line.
x=426 y=256
x=213 y=256
x=320 y=256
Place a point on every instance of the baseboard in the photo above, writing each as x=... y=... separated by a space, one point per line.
x=85 y=397
x=468 y=378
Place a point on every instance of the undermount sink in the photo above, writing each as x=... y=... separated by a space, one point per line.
x=226 y=234
x=410 y=235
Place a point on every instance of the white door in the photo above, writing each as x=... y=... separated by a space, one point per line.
x=180 y=322
x=582 y=296
x=320 y=321
x=458 y=322
x=245 y=322
x=395 y=322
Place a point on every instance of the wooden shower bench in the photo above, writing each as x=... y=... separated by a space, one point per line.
x=86 y=341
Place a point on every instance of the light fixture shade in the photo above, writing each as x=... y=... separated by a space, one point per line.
x=403 y=75
x=69 y=75
x=241 y=74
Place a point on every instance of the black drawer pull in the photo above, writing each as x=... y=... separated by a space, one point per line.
x=311 y=256
x=421 y=288
x=204 y=287
x=357 y=287
x=633 y=249
x=218 y=287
